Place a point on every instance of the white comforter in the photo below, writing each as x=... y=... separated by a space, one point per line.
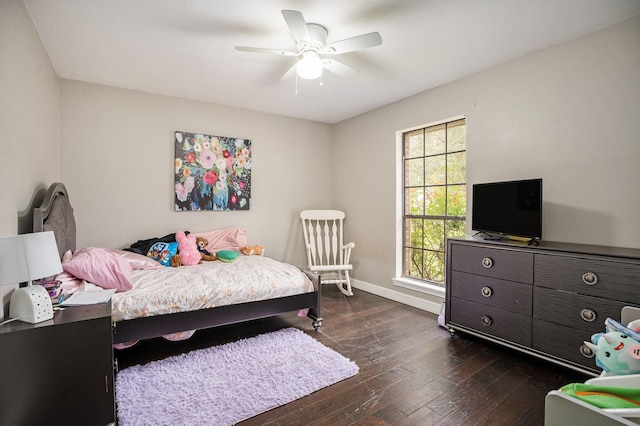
x=209 y=284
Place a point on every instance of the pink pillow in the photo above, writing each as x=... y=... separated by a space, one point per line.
x=233 y=238
x=101 y=267
x=138 y=261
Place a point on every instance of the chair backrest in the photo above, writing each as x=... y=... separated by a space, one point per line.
x=323 y=237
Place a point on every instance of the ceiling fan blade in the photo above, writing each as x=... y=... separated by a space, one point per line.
x=297 y=25
x=339 y=68
x=363 y=41
x=291 y=72
x=263 y=50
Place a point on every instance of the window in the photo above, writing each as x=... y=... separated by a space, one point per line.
x=434 y=197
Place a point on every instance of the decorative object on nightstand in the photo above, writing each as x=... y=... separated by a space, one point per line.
x=29 y=257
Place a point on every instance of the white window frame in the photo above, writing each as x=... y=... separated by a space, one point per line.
x=399 y=280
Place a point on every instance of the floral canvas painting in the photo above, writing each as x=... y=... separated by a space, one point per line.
x=212 y=172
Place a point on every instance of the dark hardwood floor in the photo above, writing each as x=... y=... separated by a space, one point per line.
x=411 y=371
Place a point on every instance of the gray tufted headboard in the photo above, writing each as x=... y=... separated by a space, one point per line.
x=56 y=214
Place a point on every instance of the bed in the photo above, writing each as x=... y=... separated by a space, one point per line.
x=170 y=311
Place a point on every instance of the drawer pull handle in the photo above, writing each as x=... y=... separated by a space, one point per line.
x=588 y=315
x=486 y=291
x=486 y=320
x=487 y=262
x=586 y=351
x=589 y=278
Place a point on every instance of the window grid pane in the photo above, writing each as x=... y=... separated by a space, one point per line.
x=414 y=172
x=434 y=200
x=456 y=167
x=435 y=169
x=457 y=201
x=434 y=197
x=415 y=201
x=436 y=140
x=414 y=144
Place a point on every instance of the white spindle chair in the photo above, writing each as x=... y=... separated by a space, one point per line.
x=326 y=252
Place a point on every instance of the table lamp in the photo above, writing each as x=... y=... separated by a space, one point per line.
x=29 y=257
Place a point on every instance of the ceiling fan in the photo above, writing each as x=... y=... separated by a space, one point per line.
x=312 y=49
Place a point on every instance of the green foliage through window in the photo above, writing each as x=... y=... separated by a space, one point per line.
x=435 y=197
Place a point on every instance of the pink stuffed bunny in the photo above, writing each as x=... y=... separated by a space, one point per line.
x=187 y=249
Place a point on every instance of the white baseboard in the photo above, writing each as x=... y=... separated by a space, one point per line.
x=416 y=302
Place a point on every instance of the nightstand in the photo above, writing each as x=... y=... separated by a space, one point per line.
x=58 y=371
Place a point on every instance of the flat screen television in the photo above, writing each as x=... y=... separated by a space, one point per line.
x=508 y=208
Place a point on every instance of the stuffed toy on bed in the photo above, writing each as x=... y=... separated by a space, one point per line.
x=618 y=349
x=188 y=253
x=202 y=248
x=252 y=250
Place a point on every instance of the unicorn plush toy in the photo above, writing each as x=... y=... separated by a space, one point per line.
x=618 y=349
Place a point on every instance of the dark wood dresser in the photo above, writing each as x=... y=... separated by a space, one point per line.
x=544 y=300
x=60 y=371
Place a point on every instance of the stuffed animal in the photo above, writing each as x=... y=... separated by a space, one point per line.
x=188 y=253
x=249 y=250
x=204 y=253
x=618 y=349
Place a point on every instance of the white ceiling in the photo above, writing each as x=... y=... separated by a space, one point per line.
x=185 y=48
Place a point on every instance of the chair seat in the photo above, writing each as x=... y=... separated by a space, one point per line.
x=329 y=268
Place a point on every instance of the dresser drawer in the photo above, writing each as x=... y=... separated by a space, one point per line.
x=506 y=295
x=490 y=262
x=563 y=342
x=586 y=313
x=490 y=320
x=594 y=277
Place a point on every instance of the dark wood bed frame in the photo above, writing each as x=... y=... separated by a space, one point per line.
x=57 y=208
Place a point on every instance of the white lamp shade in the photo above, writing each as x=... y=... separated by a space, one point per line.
x=13 y=265
x=41 y=253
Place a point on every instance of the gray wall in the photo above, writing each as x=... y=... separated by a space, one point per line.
x=28 y=120
x=569 y=114
x=117 y=160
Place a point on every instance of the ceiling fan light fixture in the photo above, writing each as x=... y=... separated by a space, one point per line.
x=313 y=53
x=310 y=66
